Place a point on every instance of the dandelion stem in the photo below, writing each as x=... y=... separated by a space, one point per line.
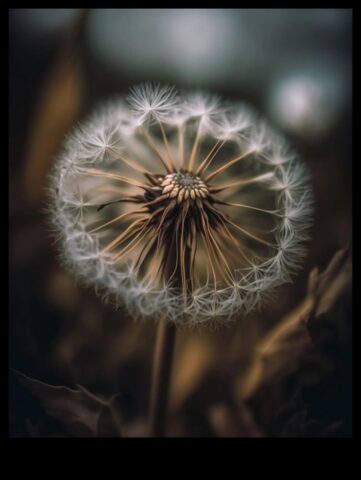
x=162 y=364
x=176 y=270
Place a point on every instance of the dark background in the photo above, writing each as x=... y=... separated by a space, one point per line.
x=294 y=67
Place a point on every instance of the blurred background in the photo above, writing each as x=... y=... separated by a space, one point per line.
x=280 y=372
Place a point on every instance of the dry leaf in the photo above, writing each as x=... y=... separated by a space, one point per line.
x=81 y=413
x=282 y=350
x=58 y=107
x=191 y=363
x=228 y=422
x=331 y=284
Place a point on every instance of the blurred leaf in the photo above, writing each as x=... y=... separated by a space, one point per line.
x=282 y=350
x=44 y=428
x=299 y=425
x=80 y=413
x=327 y=287
x=228 y=422
x=58 y=107
x=191 y=364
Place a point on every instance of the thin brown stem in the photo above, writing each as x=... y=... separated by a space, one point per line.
x=162 y=364
x=99 y=173
x=167 y=148
x=128 y=161
x=155 y=149
x=176 y=271
x=195 y=146
x=242 y=182
x=209 y=158
x=181 y=146
x=227 y=165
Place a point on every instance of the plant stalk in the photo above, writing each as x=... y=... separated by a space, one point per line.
x=162 y=366
x=165 y=341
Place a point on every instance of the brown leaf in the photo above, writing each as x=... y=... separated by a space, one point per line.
x=231 y=422
x=192 y=362
x=332 y=283
x=58 y=107
x=81 y=413
x=283 y=349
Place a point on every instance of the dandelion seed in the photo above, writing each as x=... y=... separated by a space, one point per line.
x=152 y=102
x=181 y=206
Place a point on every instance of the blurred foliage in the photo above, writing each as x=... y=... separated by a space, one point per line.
x=283 y=372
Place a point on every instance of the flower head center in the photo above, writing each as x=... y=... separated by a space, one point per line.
x=183 y=186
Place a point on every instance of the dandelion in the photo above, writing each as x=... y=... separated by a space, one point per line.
x=180 y=206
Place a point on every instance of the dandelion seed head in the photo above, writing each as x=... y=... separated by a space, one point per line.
x=180 y=206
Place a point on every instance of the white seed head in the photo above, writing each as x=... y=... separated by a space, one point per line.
x=180 y=207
